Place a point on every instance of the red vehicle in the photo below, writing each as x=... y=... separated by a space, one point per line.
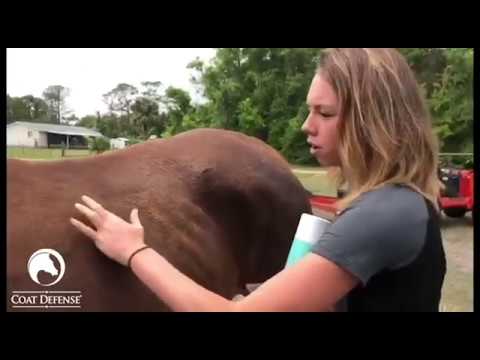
x=323 y=205
x=457 y=197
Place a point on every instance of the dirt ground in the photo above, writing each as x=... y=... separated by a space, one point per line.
x=457 y=294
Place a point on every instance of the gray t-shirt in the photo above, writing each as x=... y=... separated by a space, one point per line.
x=383 y=229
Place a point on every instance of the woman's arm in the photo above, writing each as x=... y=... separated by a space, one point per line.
x=313 y=284
x=175 y=289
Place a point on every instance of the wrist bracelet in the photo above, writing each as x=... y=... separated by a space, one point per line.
x=135 y=253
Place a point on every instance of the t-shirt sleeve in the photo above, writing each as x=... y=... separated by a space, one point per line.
x=385 y=229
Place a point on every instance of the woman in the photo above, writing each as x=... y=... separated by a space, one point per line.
x=384 y=250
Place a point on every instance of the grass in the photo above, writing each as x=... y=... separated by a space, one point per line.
x=44 y=153
x=315 y=180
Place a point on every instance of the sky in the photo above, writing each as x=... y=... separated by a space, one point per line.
x=90 y=73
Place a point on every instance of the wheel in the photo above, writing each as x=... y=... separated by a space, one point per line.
x=455 y=212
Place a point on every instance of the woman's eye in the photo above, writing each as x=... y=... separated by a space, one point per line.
x=326 y=115
x=314 y=110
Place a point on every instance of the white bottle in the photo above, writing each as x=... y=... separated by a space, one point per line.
x=309 y=230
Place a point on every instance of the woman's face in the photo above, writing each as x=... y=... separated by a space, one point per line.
x=321 y=123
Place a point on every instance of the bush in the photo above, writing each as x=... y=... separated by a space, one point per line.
x=468 y=164
x=99 y=144
x=459 y=162
x=294 y=144
x=133 y=141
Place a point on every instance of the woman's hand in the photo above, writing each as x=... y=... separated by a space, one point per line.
x=115 y=237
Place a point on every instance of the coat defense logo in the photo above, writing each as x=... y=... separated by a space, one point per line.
x=46 y=267
x=41 y=260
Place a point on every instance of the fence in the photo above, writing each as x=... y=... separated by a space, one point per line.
x=23 y=152
x=460 y=160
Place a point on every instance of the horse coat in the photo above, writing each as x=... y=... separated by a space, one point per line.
x=220 y=206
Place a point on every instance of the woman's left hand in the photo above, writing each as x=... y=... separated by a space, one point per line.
x=115 y=237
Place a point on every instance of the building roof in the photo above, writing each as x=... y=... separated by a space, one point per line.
x=57 y=129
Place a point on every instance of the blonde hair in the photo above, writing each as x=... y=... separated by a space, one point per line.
x=385 y=134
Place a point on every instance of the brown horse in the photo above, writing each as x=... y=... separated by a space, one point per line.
x=222 y=207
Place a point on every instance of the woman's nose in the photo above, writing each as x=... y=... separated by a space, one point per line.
x=307 y=126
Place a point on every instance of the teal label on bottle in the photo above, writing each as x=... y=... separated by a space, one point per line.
x=298 y=250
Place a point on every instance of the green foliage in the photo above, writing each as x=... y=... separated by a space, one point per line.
x=446 y=74
x=249 y=118
x=26 y=108
x=180 y=112
x=452 y=101
x=133 y=141
x=428 y=65
x=99 y=144
x=261 y=92
x=89 y=121
x=258 y=91
x=468 y=164
x=146 y=118
x=293 y=143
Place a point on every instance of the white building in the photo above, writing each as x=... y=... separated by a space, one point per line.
x=21 y=133
x=118 y=143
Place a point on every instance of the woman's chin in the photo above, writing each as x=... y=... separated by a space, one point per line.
x=326 y=162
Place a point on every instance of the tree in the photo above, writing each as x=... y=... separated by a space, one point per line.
x=150 y=90
x=10 y=114
x=120 y=99
x=249 y=118
x=37 y=108
x=258 y=91
x=88 y=121
x=451 y=101
x=428 y=65
x=262 y=91
x=146 y=118
x=55 y=96
x=16 y=110
x=26 y=108
x=177 y=103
